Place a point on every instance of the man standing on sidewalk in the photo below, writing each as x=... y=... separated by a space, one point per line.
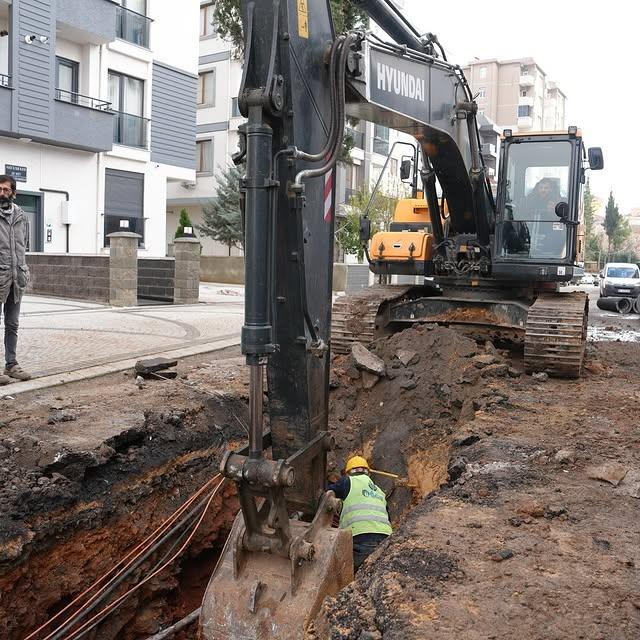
x=14 y=274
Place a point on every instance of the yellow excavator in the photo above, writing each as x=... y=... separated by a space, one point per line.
x=300 y=81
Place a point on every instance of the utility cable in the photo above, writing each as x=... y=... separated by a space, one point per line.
x=135 y=552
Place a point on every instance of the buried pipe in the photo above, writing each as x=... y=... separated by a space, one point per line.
x=620 y=305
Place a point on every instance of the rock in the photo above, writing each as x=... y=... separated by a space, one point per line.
x=365 y=360
x=427 y=423
x=467 y=412
x=466 y=439
x=407 y=357
x=456 y=469
x=43 y=481
x=140 y=382
x=532 y=508
x=630 y=484
x=353 y=373
x=153 y=365
x=495 y=370
x=408 y=384
x=485 y=360
x=514 y=373
x=61 y=416
x=490 y=348
x=499 y=556
x=596 y=367
x=540 y=376
x=334 y=383
x=565 y=456
x=610 y=472
x=554 y=511
x=369 y=379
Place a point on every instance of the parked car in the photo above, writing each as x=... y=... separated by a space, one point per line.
x=620 y=279
x=590 y=279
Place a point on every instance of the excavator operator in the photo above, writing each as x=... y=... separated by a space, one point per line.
x=364 y=509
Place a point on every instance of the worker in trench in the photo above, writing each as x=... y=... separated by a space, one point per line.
x=364 y=509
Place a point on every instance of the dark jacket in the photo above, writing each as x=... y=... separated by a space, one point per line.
x=13 y=265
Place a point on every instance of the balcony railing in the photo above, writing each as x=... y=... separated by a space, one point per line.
x=5 y=80
x=356 y=136
x=82 y=101
x=132 y=26
x=130 y=130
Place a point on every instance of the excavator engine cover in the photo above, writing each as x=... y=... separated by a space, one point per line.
x=260 y=596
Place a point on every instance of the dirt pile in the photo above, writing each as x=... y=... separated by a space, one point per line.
x=404 y=420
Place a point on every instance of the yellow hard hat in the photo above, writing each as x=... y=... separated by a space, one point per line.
x=355 y=462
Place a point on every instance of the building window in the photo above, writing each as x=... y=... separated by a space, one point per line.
x=523 y=94
x=208 y=25
x=126 y=95
x=524 y=71
x=381 y=139
x=235 y=108
x=132 y=23
x=524 y=111
x=66 y=79
x=204 y=156
x=123 y=203
x=482 y=92
x=207 y=89
x=483 y=73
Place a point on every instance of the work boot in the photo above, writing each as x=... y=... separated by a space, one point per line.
x=4 y=380
x=17 y=372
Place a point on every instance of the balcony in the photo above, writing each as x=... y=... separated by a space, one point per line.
x=81 y=122
x=86 y=21
x=527 y=80
x=356 y=136
x=132 y=27
x=525 y=122
x=6 y=95
x=489 y=149
x=525 y=101
x=130 y=130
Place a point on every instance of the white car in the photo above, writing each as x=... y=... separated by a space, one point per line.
x=589 y=279
x=620 y=279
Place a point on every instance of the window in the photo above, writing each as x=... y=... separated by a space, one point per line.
x=524 y=71
x=204 y=156
x=207 y=89
x=482 y=92
x=483 y=73
x=523 y=93
x=381 y=139
x=66 y=80
x=235 y=109
x=207 y=20
x=524 y=111
x=126 y=95
x=123 y=203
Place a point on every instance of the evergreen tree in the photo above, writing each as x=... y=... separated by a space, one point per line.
x=589 y=209
x=617 y=227
x=184 y=221
x=221 y=217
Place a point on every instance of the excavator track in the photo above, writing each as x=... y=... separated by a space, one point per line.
x=355 y=317
x=556 y=334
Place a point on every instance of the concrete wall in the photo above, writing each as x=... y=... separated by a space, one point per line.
x=156 y=278
x=82 y=277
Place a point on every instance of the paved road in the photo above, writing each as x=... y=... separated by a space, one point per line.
x=59 y=335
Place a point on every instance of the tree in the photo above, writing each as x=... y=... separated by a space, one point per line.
x=380 y=213
x=228 y=20
x=184 y=221
x=589 y=209
x=617 y=227
x=221 y=217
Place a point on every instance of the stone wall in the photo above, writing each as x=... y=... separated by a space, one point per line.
x=156 y=278
x=84 y=277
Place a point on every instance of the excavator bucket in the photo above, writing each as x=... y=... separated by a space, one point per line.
x=260 y=596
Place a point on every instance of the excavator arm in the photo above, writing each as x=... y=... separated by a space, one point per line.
x=299 y=83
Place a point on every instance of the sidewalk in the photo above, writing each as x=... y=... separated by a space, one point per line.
x=64 y=340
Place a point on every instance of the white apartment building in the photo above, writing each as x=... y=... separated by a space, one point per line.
x=218 y=119
x=517 y=94
x=97 y=116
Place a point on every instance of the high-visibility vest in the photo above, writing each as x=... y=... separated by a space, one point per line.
x=364 y=510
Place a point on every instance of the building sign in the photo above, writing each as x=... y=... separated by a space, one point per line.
x=18 y=173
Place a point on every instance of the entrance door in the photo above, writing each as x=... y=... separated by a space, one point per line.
x=31 y=205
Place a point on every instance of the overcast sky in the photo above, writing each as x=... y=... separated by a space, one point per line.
x=590 y=50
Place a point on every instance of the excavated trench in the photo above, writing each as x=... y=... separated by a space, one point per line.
x=70 y=515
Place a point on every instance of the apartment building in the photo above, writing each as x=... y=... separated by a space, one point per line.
x=97 y=116
x=517 y=94
x=217 y=122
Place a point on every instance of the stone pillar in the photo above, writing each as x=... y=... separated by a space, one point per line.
x=187 y=278
x=123 y=269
